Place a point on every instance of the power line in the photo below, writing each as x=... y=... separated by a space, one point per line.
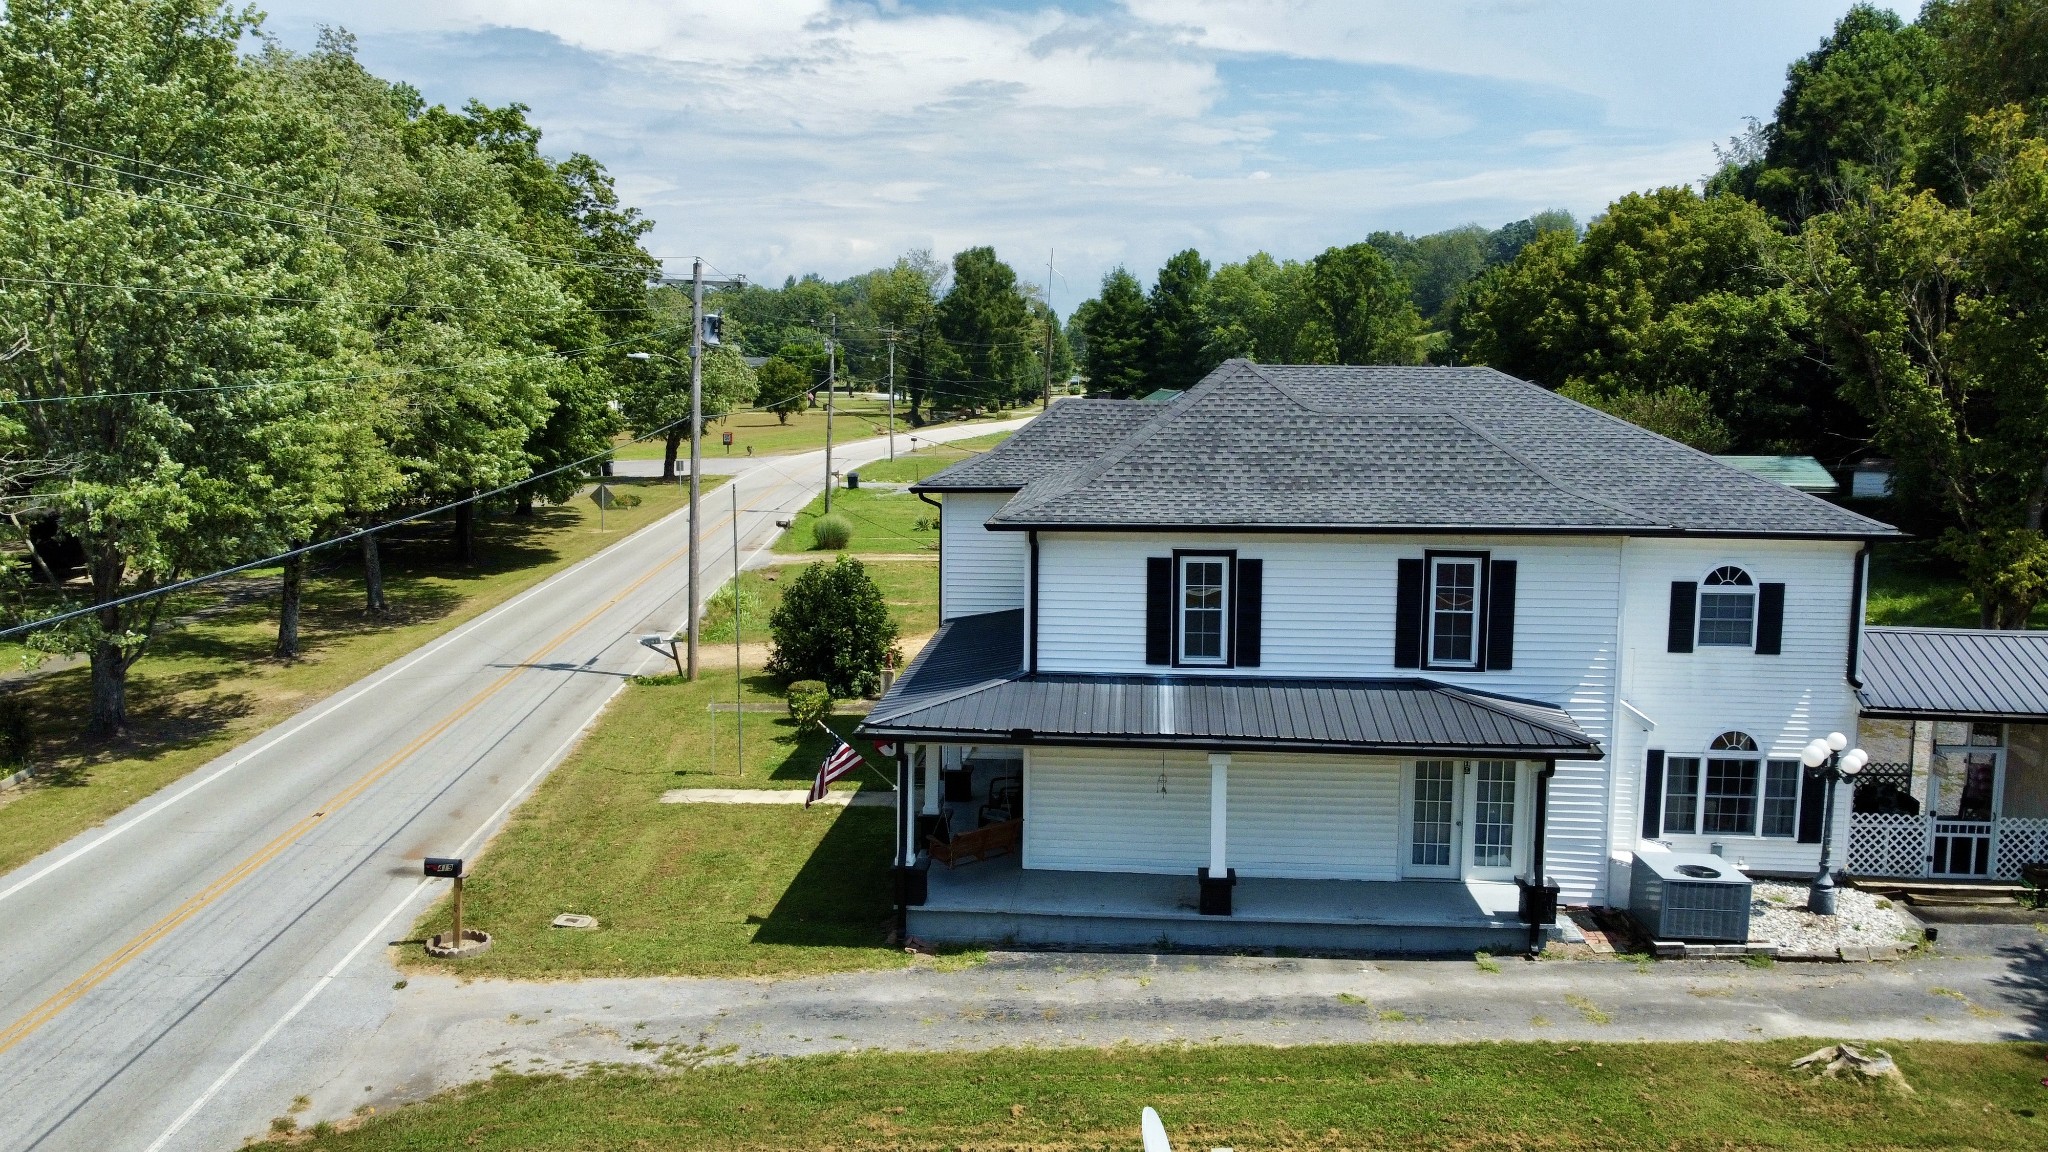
x=196 y=581
x=563 y=354
x=374 y=220
x=571 y=306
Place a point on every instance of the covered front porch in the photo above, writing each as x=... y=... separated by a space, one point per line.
x=1391 y=815
x=998 y=901
x=1956 y=724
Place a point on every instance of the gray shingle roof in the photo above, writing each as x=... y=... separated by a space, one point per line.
x=968 y=685
x=1291 y=447
x=1955 y=672
x=1070 y=434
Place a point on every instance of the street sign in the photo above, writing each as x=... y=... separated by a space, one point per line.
x=728 y=439
x=444 y=867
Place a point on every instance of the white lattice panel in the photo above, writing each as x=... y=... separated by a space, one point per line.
x=2021 y=842
x=1887 y=844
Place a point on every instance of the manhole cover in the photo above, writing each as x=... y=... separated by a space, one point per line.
x=574 y=920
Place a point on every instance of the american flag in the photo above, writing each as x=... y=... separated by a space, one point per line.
x=840 y=761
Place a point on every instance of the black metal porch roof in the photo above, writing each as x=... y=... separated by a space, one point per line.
x=969 y=685
x=1955 y=672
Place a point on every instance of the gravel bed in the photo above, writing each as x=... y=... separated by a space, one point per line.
x=1778 y=916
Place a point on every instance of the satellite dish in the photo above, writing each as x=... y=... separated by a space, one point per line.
x=1155 y=1132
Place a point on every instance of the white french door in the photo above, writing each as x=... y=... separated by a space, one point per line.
x=1464 y=819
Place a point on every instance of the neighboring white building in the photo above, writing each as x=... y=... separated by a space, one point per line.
x=1437 y=635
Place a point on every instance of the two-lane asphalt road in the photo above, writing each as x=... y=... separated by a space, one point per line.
x=175 y=977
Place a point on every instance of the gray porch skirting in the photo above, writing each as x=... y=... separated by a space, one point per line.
x=997 y=902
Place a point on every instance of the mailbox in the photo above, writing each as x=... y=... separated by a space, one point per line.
x=443 y=867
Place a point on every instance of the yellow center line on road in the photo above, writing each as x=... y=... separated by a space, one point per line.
x=120 y=958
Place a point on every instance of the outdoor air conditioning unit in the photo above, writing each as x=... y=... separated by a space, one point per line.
x=1689 y=896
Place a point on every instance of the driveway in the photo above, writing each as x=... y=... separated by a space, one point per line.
x=444 y=1031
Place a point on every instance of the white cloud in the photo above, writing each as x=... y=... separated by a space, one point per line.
x=784 y=136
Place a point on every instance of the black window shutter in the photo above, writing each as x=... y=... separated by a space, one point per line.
x=1770 y=619
x=1653 y=794
x=1813 y=801
x=1408 y=615
x=1159 y=610
x=1500 y=616
x=1250 y=608
x=1684 y=603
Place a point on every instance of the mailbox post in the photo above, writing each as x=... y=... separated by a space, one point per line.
x=456 y=943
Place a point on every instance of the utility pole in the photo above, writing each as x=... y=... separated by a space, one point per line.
x=697 y=283
x=739 y=707
x=831 y=379
x=1051 y=318
x=696 y=441
x=892 y=393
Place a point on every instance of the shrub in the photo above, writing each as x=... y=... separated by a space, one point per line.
x=832 y=625
x=831 y=532
x=718 y=613
x=809 y=702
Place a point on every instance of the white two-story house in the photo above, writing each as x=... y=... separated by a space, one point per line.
x=1358 y=657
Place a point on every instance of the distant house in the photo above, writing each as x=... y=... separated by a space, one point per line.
x=1801 y=472
x=1358 y=657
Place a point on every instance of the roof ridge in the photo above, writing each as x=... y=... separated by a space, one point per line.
x=1109 y=456
x=1544 y=473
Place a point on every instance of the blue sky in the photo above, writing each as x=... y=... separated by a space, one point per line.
x=777 y=137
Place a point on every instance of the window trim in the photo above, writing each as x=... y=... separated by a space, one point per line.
x=1699 y=609
x=1181 y=556
x=1482 y=589
x=1759 y=796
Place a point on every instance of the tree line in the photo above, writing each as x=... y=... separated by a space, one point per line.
x=964 y=334
x=1862 y=276
x=254 y=300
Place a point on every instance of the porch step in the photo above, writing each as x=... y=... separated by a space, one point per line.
x=1941 y=892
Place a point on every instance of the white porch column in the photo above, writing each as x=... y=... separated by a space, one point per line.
x=930 y=756
x=1219 y=813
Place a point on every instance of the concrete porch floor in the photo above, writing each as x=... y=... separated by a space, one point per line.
x=999 y=901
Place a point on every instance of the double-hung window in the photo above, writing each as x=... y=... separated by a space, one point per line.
x=1728 y=609
x=1204 y=609
x=1731 y=791
x=1454 y=598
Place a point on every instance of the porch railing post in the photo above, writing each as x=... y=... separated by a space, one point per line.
x=1218 y=878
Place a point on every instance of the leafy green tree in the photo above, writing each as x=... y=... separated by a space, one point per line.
x=1667 y=290
x=1360 y=311
x=905 y=298
x=1176 y=325
x=833 y=626
x=655 y=399
x=1259 y=309
x=984 y=319
x=784 y=387
x=150 y=394
x=1933 y=313
x=1113 y=326
x=1853 y=113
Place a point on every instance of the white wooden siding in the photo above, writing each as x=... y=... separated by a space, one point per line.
x=1782 y=701
x=984 y=571
x=1102 y=810
x=1329 y=611
x=1314 y=817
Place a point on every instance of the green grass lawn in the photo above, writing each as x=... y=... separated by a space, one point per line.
x=697 y=889
x=685 y=889
x=853 y=420
x=1682 y=1097
x=1911 y=584
x=211 y=684
x=910 y=467
x=883 y=519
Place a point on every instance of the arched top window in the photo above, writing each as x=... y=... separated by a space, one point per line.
x=1727 y=608
x=1732 y=742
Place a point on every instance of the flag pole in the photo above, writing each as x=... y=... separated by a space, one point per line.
x=739 y=708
